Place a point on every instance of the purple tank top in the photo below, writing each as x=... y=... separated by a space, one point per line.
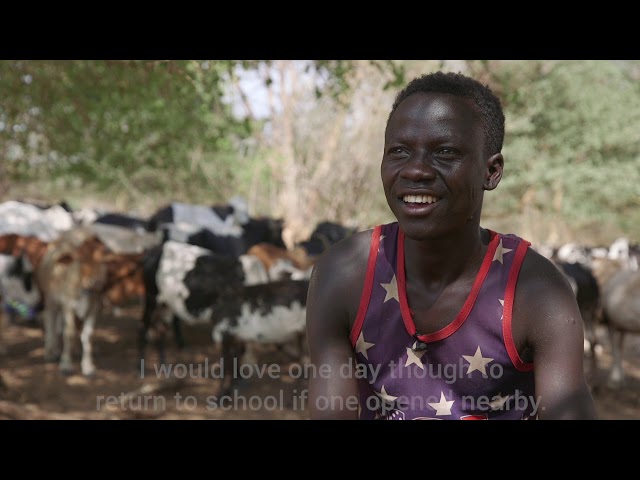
x=470 y=369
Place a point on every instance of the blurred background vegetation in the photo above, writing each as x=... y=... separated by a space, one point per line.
x=302 y=140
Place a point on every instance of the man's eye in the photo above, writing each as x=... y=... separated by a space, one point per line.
x=447 y=151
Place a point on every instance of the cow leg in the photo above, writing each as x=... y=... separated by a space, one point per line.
x=3 y=326
x=617 y=372
x=165 y=316
x=177 y=332
x=143 y=334
x=51 y=320
x=232 y=351
x=68 y=337
x=590 y=340
x=160 y=341
x=86 y=363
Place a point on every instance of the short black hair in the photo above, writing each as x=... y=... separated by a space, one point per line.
x=486 y=102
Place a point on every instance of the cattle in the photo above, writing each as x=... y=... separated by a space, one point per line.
x=183 y=283
x=325 y=234
x=181 y=237
x=605 y=268
x=85 y=216
x=269 y=314
x=46 y=205
x=25 y=232
x=29 y=220
x=229 y=245
x=281 y=263
x=254 y=231
x=573 y=253
x=178 y=213
x=193 y=285
x=263 y=230
x=18 y=294
x=237 y=207
x=621 y=315
x=77 y=270
x=622 y=249
x=18 y=245
x=140 y=225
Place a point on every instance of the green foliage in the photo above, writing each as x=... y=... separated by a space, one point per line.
x=109 y=122
x=572 y=143
x=335 y=75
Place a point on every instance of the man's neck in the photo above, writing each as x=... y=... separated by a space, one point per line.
x=441 y=261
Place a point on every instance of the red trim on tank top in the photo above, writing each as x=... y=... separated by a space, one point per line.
x=407 y=315
x=368 y=286
x=509 y=295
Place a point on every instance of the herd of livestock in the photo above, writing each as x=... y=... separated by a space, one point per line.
x=218 y=265
x=185 y=264
x=606 y=281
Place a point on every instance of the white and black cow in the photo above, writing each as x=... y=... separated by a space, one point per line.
x=325 y=235
x=189 y=284
x=19 y=296
x=222 y=220
x=121 y=220
x=622 y=249
x=28 y=220
x=233 y=242
x=270 y=314
x=46 y=205
x=183 y=283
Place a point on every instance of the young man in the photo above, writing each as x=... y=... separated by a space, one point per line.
x=433 y=316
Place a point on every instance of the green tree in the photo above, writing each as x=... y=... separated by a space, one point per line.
x=572 y=148
x=136 y=126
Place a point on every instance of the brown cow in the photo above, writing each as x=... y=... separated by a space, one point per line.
x=77 y=270
x=18 y=245
x=282 y=264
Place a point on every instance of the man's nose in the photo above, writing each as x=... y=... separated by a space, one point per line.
x=419 y=167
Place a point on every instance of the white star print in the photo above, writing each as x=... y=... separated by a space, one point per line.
x=362 y=346
x=385 y=396
x=414 y=357
x=498 y=401
x=501 y=300
x=500 y=251
x=443 y=407
x=477 y=362
x=392 y=289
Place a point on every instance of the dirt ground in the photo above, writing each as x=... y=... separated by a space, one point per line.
x=33 y=389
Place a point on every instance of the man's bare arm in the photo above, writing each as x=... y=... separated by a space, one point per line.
x=549 y=317
x=334 y=294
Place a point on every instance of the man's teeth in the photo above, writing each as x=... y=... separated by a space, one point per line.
x=419 y=199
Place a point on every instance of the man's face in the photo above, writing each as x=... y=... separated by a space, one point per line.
x=433 y=167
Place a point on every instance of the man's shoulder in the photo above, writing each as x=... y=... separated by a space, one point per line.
x=510 y=237
x=536 y=270
x=352 y=249
x=539 y=274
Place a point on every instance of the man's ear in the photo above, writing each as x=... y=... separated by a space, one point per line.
x=495 y=164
